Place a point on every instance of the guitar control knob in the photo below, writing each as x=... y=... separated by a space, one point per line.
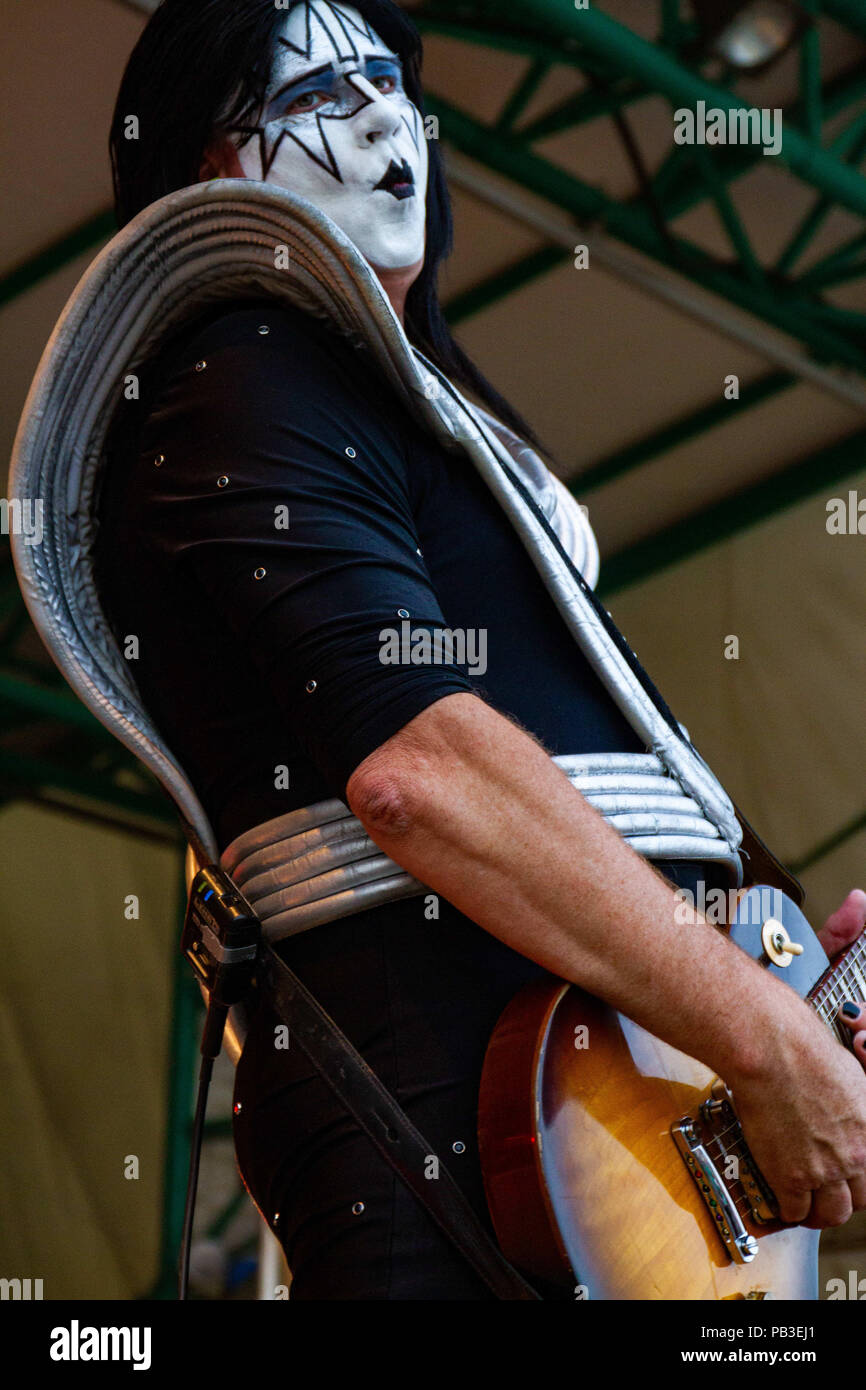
x=777 y=943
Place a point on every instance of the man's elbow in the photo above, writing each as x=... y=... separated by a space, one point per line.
x=380 y=796
x=403 y=784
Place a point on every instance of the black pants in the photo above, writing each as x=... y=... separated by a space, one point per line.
x=419 y=1000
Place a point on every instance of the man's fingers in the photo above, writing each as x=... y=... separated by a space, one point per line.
x=844 y=925
x=858 y=1192
x=794 y=1206
x=853 y=1015
x=832 y=1205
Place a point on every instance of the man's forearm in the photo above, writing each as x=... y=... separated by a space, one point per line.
x=474 y=807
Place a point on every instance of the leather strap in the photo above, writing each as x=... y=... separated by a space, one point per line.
x=358 y=1088
x=760 y=865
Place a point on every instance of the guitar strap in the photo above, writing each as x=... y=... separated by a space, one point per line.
x=762 y=866
x=360 y=1091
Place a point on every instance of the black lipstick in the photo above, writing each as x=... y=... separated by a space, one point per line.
x=398 y=180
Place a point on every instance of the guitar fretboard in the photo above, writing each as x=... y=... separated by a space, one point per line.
x=844 y=980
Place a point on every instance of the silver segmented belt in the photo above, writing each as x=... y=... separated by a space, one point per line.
x=318 y=863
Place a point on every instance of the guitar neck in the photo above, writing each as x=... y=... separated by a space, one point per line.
x=844 y=980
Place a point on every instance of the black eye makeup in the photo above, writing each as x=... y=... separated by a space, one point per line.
x=327 y=84
x=383 y=69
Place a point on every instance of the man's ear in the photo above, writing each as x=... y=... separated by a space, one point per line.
x=220 y=161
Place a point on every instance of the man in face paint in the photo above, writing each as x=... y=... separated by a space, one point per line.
x=338 y=129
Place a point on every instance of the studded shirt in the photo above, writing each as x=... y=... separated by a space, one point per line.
x=297 y=569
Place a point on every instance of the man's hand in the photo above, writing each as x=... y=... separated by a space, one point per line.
x=826 y=1195
x=476 y=809
x=843 y=926
x=840 y=931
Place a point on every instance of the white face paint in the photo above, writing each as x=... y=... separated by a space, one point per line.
x=338 y=129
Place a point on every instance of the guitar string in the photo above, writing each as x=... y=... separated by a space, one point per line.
x=848 y=979
x=851 y=961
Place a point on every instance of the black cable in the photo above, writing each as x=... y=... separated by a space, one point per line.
x=204 y=1079
x=221 y=935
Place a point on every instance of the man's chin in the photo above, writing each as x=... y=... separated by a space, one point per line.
x=396 y=262
x=401 y=251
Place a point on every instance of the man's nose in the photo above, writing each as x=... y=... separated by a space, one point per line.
x=380 y=118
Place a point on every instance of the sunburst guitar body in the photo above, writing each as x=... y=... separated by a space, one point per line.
x=615 y=1164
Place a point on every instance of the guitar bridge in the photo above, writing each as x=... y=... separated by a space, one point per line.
x=720 y=1117
x=717 y=1126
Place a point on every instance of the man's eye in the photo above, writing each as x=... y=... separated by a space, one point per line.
x=307 y=101
x=385 y=82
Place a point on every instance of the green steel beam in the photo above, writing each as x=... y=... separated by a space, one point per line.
x=654 y=67
x=588 y=34
x=674 y=29
x=827 y=846
x=822 y=207
x=82 y=238
x=635 y=226
x=676 y=167
x=446 y=22
x=732 y=161
x=834 y=313
x=462 y=306
x=810 y=81
x=849 y=13
x=223 y=1219
x=183 y=1057
x=734 y=514
x=728 y=214
x=523 y=92
x=853 y=270
x=817 y=274
x=580 y=108
x=59 y=704
x=38 y=774
x=848 y=143
x=671 y=436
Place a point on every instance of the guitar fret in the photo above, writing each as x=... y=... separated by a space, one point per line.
x=847 y=981
x=859 y=978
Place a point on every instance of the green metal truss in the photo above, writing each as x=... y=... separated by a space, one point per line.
x=631 y=69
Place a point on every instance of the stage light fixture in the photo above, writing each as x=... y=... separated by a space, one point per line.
x=749 y=36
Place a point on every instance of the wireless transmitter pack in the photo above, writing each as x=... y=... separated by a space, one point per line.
x=221 y=936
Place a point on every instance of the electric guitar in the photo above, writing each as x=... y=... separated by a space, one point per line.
x=616 y=1164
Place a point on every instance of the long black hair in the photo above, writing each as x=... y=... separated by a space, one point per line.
x=202 y=67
